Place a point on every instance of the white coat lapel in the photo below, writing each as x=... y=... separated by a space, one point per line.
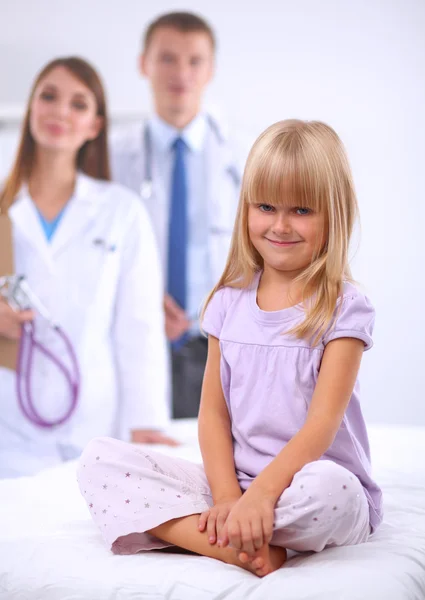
x=136 y=167
x=223 y=183
x=26 y=222
x=132 y=159
x=79 y=213
x=222 y=202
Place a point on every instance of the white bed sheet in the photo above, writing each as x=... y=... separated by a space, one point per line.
x=51 y=550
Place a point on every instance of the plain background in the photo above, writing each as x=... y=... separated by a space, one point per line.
x=358 y=65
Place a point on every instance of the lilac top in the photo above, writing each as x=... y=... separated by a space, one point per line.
x=268 y=380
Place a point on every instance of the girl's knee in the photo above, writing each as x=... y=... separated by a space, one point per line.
x=104 y=455
x=94 y=450
x=334 y=484
x=96 y=456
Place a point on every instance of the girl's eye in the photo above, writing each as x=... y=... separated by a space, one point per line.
x=302 y=211
x=266 y=208
x=48 y=96
x=80 y=105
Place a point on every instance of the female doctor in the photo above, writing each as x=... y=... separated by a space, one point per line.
x=87 y=251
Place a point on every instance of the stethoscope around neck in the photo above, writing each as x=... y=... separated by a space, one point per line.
x=146 y=187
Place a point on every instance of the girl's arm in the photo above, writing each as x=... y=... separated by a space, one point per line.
x=215 y=436
x=337 y=377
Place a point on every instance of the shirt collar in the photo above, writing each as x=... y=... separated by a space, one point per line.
x=193 y=134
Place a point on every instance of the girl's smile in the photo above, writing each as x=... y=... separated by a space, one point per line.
x=282 y=244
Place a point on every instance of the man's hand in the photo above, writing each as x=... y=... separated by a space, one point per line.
x=150 y=436
x=11 y=321
x=176 y=322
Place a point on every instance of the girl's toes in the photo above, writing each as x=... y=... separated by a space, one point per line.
x=262 y=572
x=258 y=563
x=243 y=557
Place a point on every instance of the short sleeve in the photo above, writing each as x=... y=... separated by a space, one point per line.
x=355 y=318
x=215 y=313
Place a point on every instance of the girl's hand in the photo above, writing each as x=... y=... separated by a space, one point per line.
x=250 y=523
x=214 y=519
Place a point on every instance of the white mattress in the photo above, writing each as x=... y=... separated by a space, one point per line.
x=51 y=550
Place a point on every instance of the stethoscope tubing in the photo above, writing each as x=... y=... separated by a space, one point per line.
x=27 y=347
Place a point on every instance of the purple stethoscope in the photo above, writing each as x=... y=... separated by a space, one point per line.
x=17 y=293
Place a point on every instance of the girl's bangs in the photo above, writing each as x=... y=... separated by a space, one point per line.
x=282 y=177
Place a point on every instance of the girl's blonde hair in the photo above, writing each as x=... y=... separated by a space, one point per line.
x=304 y=164
x=92 y=158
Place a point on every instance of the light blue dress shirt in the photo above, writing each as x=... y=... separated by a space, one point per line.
x=199 y=274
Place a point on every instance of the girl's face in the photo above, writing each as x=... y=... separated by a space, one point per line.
x=63 y=112
x=286 y=238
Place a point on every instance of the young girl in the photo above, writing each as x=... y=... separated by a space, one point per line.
x=86 y=248
x=284 y=444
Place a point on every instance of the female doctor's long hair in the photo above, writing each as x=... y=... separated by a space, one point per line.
x=92 y=158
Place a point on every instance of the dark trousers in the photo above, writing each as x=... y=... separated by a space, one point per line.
x=188 y=365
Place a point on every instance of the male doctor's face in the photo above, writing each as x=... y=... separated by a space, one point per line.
x=179 y=66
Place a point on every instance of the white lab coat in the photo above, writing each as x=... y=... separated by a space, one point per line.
x=224 y=172
x=108 y=299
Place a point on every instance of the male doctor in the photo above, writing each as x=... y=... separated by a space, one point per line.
x=184 y=167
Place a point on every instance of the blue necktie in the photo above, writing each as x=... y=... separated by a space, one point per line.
x=178 y=231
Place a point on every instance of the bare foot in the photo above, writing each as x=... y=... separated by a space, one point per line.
x=264 y=561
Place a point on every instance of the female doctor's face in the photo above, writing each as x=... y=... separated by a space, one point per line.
x=63 y=112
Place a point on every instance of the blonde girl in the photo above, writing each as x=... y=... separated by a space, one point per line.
x=286 y=461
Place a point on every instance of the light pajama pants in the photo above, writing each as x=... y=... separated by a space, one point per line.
x=130 y=490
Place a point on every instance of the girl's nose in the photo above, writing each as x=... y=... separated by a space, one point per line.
x=282 y=224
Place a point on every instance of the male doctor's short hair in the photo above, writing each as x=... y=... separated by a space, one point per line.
x=184 y=22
